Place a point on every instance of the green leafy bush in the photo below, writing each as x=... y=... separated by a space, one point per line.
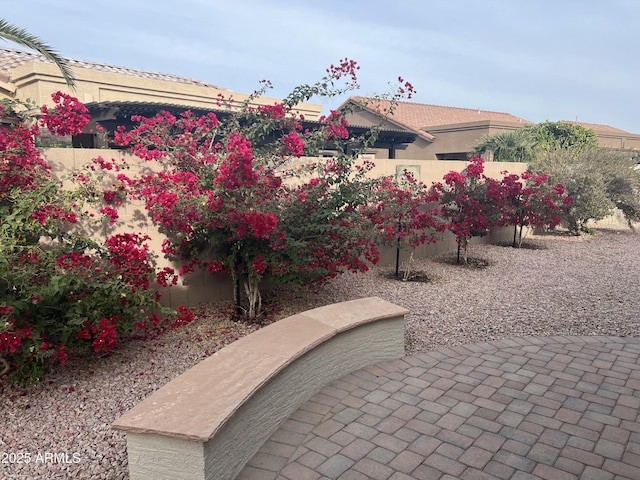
x=61 y=293
x=600 y=180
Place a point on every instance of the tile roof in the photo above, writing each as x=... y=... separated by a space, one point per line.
x=598 y=128
x=11 y=58
x=420 y=116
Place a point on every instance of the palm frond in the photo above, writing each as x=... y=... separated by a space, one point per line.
x=20 y=36
x=507 y=146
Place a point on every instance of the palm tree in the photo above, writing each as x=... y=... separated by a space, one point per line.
x=508 y=146
x=22 y=37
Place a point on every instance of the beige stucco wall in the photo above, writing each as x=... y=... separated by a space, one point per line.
x=433 y=170
x=625 y=142
x=193 y=289
x=201 y=287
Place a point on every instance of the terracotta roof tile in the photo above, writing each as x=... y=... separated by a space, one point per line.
x=598 y=128
x=422 y=116
x=11 y=58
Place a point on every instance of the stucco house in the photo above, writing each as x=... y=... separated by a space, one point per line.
x=612 y=137
x=102 y=87
x=449 y=133
x=113 y=94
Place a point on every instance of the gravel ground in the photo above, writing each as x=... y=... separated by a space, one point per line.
x=556 y=286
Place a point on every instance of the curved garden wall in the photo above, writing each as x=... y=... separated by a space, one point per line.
x=209 y=422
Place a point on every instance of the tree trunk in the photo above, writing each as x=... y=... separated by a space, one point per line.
x=397 y=257
x=398 y=248
x=520 y=237
x=406 y=275
x=462 y=250
x=236 y=279
x=236 y=294
x=4 y=366
x=252 y=289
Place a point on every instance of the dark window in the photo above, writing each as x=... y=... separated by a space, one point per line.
x=452 y=156
x=84 y=140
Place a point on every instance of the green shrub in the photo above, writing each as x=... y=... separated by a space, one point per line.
x=600 y=180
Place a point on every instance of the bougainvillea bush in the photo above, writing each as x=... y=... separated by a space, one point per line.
x=528 y=200
x=472 y=204
x=233 y=195
x=466 y=203
x=404 y=214
x=61 y=293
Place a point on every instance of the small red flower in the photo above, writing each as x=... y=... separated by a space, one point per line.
x=184 y=316
x=106 y=339
x=259 y=265
x=83 y=333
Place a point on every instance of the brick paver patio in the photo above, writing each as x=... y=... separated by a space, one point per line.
x=533 y=408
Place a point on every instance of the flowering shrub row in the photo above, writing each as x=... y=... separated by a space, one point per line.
x=232 y=195
x=473 y=204
x=467 y=203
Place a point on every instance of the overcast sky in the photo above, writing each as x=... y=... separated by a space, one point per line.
x=536 y=59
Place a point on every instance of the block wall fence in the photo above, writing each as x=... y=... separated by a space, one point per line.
x=200 y=286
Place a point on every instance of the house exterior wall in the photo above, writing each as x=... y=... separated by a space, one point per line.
x=449 y=139
x=460 y=137
x=624 y=142
x=363 y=118
x=415 y=151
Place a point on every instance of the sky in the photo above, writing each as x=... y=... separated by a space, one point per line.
x=536 y=59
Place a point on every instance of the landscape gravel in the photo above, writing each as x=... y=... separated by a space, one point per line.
x=555 y=285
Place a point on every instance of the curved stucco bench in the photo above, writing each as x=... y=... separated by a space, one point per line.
x=209 y=422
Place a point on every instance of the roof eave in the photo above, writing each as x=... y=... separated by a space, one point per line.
x=421 y=133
